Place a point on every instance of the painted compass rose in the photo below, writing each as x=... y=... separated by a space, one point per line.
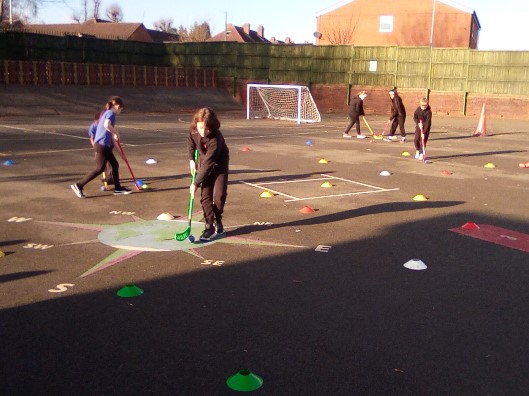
x=138 y=236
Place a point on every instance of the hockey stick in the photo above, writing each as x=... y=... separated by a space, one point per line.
x=120 y=148
x=370 y=130
x=104 y=178
x=385 y=129
x=423 y=144
x=183 y=235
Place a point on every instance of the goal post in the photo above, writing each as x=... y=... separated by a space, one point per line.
x=281 y=102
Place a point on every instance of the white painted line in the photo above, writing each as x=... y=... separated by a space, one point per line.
x=294 y=181
x=267 y=189
x=353 y=182
x=25 y=130
x=342 y=195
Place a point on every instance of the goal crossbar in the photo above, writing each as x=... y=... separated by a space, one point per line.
x=281 y=101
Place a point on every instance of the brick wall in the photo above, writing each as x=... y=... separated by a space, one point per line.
x=332 y=98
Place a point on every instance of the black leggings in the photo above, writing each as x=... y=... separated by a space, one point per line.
x=104 y=154
x=398 y=121
x=417 y=139
x=213 y=195
x=353 y=119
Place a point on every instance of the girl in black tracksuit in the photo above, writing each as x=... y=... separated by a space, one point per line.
x=356 y=109
x=397 y=117
x=212 y=172
x=422 y=118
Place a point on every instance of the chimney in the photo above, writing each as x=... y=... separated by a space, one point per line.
x=246 y=28
x=288 y=40
x=260 y=31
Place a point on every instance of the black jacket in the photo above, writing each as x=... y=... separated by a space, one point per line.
x=213 y=154
x=425 y=116
x=356 y=107
x=397 y=107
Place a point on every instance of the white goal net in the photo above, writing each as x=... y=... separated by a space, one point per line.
x=283 y=102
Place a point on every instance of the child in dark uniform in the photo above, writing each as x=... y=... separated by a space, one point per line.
x=213 y=167
x=423 y=120
x=397 y=117
x=356 y=109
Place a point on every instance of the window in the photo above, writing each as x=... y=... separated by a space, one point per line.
x=386 y=24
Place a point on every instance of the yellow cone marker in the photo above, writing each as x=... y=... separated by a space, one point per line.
x=266 y=194
x=326 y=185
x=2 y=254
x=419 y=197
x=490 y=165
x=405 y=154
x=323 y=161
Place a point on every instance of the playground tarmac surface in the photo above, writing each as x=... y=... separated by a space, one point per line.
x=316 y=303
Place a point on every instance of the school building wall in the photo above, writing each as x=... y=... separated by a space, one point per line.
x=357 y=23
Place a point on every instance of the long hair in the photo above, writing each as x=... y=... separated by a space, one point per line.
x=114 y=101
x=208 y=117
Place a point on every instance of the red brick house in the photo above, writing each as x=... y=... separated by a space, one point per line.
x=241 y=34
x=440 y=23
x=102 y=29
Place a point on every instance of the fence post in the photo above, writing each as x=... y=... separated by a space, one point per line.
x=49 y=72
x=35 y=73
x=6 y=71
x=20 y=72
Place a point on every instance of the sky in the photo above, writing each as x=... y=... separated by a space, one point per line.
x=501 y=21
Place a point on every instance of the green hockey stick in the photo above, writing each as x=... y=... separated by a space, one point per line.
x=184 y=235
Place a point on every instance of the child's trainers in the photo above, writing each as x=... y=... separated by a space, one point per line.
x=219 y=228
x=208 y=234
x=122 y=191
x=403 y=139
x=77 y=191
x=417 y=153
x=346 y=135
x=421 y=157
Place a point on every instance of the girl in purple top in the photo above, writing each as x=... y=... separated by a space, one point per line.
x=105 y=134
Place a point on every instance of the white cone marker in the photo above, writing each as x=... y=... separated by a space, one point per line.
x=415 y=264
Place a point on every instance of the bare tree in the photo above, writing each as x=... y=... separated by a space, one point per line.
x=89 y=10
x=97 y=6
x=165 y=25
x=84 y=5
x=197 y=32
x=22 y=10
x=343 y=33
x=4 y=12
x=114 y=13
x=182 y=32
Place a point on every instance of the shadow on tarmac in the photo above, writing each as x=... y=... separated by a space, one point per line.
x=348 y=322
